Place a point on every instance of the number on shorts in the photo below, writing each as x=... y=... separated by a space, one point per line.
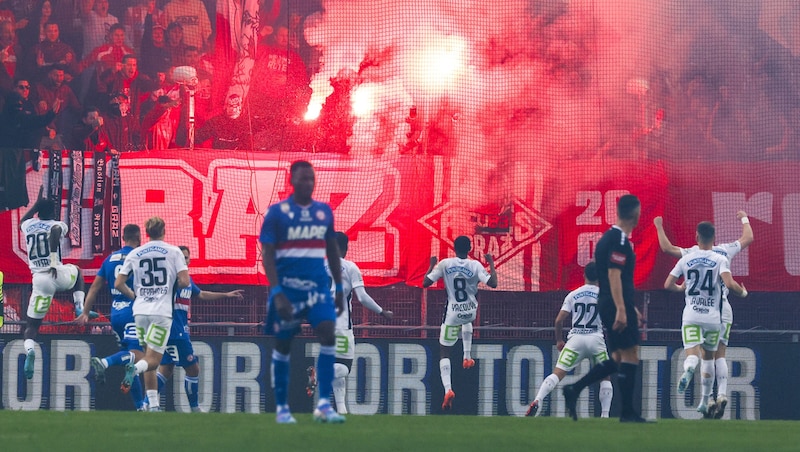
x=707 y=285
x=172 y=351
x=153 y=268
x=460 y=284
x=38 y=245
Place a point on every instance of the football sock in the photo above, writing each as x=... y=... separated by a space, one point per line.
x=596 y=374
x=691 y=362
x=707 y=378
x=280 y=377
x=606 y=395
x=78 y=297
x=137 y=392
x=191 y=384
x=627 y=381
x=325 y=361
x=721 y=367
x=547 y=386
x=444 y=369
x=118 y=359
x=162 y=381
x=141 y=366
x=339 y=394
x=152 y=398
x=29 y=345
x=466 y=337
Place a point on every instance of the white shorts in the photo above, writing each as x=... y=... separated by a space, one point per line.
x=153 y=331
x=345 y=344
x=45 y=286
x=705 y=334
x=727 y=321
x=580 y=347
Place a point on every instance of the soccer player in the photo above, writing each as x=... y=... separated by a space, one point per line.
x=585 y=341
x=703 y=271
x=296 y=237
x=728 y=250
x=615 y=264
x=122 y=321
x=157 y=267
x=461 y=276
x=352 y=283
x=43 y=236
x=179 y=347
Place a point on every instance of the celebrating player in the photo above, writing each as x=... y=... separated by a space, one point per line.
x=43 y=236
x=179 y=347
x=703 y=270
x=157 y=267
x=122 y=321
x=461 y=276
x=716 y=408
x=584 y=341
x=296 y=237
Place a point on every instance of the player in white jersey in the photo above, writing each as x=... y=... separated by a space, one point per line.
x=461 y=277
x=729 y=250
x=157 y=267
x=353 y=284
x=43 y=236
x=584 y=341
x=704 y=271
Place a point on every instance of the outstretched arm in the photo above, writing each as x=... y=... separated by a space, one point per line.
x=207 y=295
x=747 y=231
x=663 y=241
x=492 y=282
x=427 y=282
x=370 y=303
x=34 y=208
x=91 y=295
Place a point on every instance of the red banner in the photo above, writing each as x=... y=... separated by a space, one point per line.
x=540 y=224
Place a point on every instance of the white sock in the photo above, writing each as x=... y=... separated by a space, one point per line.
x=152 y=398
x=548 y=384
x=690 y=362
x=721 y=367
x=77 y=297
x=444 y=370
x=29 y=345
x=466 y=337
x=141 y=367
x=104 y=362
x=606 y=395
x=340 y=372
x=707 y=378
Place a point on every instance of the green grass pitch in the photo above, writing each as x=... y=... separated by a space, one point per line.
x=110 y=430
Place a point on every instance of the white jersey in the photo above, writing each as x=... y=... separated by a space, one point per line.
x=727 y=250
x=351 y=279
x=155 y=267
x=582 y=304
x=701 y=270
x=37 y=237
x=461 y=277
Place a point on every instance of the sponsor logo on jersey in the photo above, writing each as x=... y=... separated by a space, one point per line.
x=320 y=215
x=702 y=261
x=459 y=269
x=587 y=293
x=306 y=232
x=298 y=284
x=618 y=258
x=285 y=207
x=154 y=248
x=120 y=305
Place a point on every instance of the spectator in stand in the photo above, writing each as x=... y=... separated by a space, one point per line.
x=34 y=31
x=228 y=130
x=8 y=56
x=279 y=89
x=56 y=96
x=129 y=81
x=205 y=75
x=268 y=13
x=6 y=13
x=175 y=43
x=161 y=116
x=122 y=128
x=193 y=16
x=155 y=57
x=90 y=134
x=135 y=20
x=67 y=14
x=50 y=52
x=96 y=23
x=106 y=60
x=22 y=10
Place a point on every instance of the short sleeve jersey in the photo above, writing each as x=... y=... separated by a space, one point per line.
x=701 y=270
x=121 y=306
x=351 y=280
x=614 y=250
x=582 y=304
x=37 y=235
x=728 y=250
x=155 y=267
x=299 y=235
x=180 y=315
x=461 y=277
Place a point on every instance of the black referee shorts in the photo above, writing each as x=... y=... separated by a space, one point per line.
x=625 y=339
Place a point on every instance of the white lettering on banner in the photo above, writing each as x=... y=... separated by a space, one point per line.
x=729 y=229
x=650 y=357
x=402 y=383
x=486 y=354
x=594 y=201
x=61 y=377
x=791 y=234
x=13 y=380
x=232 y=379
x=531 y=357
x=203 y=355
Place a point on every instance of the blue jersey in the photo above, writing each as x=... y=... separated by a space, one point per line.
x=299 y=236
x=121 y=306
x=180 y=312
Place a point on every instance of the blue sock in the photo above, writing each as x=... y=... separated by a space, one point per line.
x=119 y=359
x=280 y=377
x=327 y=356
x=162 y=381
x=191 y=384
x=137 y=392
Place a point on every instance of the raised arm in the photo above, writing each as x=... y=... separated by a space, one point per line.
x=663 y=241
x=427 y=282
x=492 y=282
x=747 y=231
x=91 y=295
x=370 y=303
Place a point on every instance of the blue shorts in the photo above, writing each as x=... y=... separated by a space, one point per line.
x=179 y=352
x=125 y=330
x=315 y=306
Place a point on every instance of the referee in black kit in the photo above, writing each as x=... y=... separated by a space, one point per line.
x=615 y=263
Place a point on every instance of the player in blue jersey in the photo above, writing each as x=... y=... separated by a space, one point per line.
x=296 y=237
x=179 y=347
x=121 y=314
